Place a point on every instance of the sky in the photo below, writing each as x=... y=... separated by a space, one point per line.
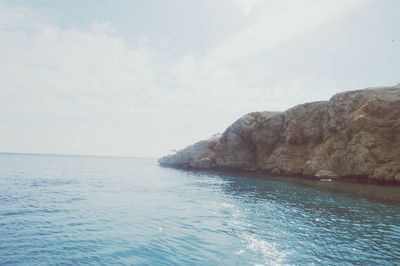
x=139 y=78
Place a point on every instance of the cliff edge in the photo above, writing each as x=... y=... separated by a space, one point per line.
x=355 y=134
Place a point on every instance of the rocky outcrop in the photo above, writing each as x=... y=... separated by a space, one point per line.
x=354 y=134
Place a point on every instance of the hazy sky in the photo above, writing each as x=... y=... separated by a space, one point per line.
x=126 y=77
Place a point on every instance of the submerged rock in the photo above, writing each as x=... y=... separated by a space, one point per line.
x=354 y=134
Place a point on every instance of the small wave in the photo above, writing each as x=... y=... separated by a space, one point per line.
x=270 y=252
x=227 y=205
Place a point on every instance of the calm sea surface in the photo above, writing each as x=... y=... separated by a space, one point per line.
x=67 y=210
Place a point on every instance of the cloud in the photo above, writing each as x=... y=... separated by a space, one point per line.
x=94 y=64
x=50 y=67
x=104 y=86
x=247 y=5
x=74 y=89
x=222 y=77
x=277 y=22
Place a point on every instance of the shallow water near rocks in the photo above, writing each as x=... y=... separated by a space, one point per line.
x=77 y=210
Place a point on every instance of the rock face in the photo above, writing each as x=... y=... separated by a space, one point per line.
x=354 y=134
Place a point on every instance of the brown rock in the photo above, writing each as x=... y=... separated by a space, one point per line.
x=355 y=133
x=275 y=171
x=326 y=174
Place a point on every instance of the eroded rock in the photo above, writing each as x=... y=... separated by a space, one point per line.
x=326 y=174
x=354 y=134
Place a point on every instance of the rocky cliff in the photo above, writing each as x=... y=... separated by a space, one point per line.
x=354 y=134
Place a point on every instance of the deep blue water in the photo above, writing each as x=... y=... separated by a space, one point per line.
x=65 y=210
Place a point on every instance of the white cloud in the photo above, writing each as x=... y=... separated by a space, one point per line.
x=247 y=5
x=41 y=64
x=122 y=98
x=44 y=64
x=277 y=22
x=221 y=76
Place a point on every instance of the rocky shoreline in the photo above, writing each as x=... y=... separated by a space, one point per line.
x=356 y=134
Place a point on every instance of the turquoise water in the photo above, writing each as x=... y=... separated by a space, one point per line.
x=66 y=210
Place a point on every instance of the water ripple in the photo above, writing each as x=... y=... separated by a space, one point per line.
x=57 y=210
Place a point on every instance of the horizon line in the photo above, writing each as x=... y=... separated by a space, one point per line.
x=73 y=155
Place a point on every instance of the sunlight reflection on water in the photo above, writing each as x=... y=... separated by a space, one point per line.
x=102 y=210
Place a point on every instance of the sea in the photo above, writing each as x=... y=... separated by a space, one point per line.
x=88 y=210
